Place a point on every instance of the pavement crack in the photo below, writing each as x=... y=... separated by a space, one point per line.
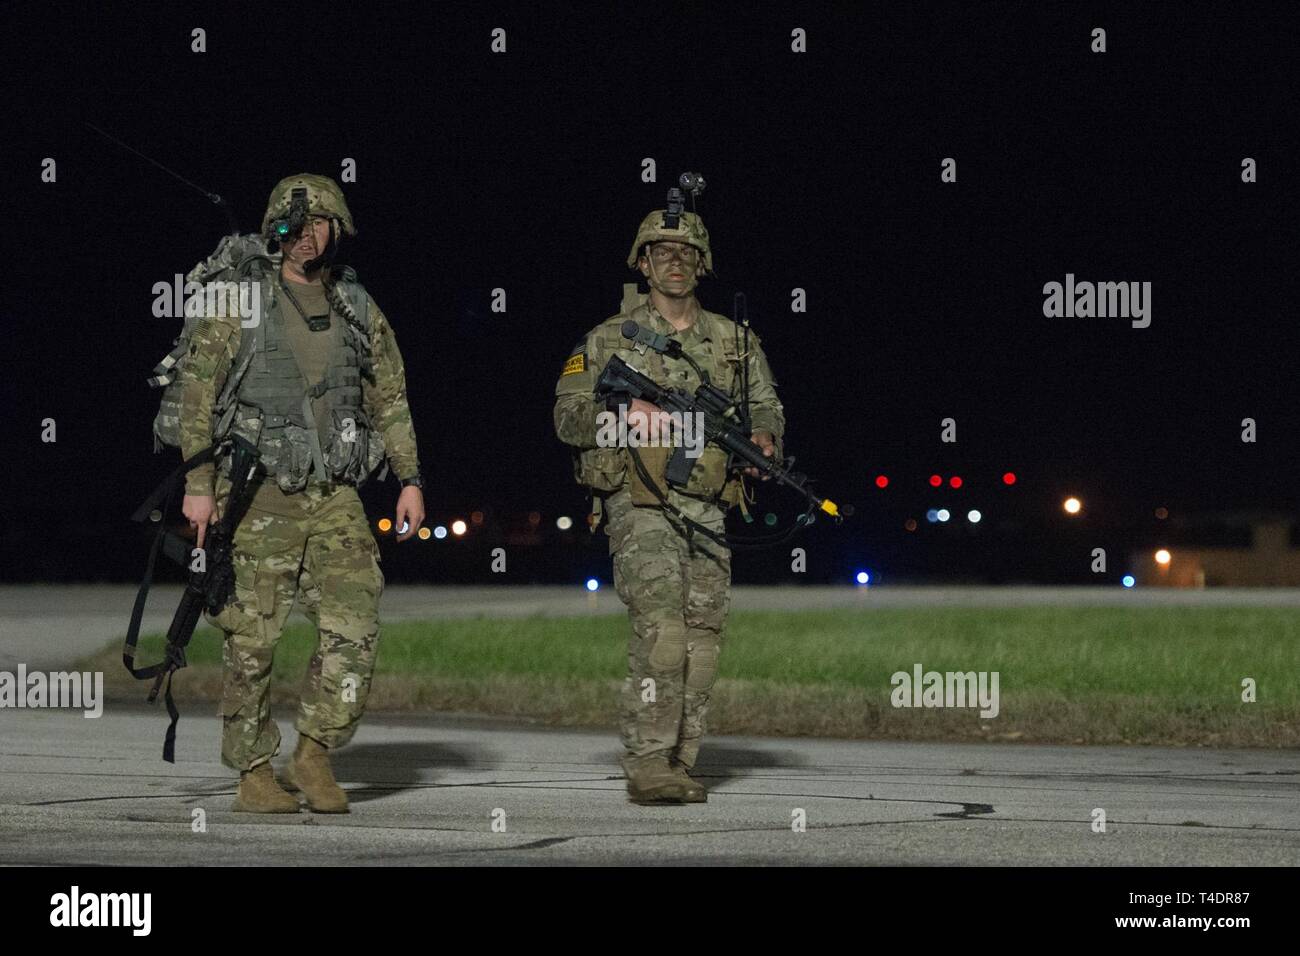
x=539 y=844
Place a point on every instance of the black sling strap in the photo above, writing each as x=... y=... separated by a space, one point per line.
x=159 y=501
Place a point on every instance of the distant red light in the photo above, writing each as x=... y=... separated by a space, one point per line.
x=955 y=481
x=881 y=481
x=1009 y=478
x=936 y=480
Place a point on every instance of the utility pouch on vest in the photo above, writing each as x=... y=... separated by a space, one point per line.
x=353 y=449
x=601 y=469
x=708 y=474
x=347 y=446
x=297 y=443
x=288 y=444
x=655 y=460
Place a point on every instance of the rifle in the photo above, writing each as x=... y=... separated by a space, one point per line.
x=720 y=418
x=208 y=588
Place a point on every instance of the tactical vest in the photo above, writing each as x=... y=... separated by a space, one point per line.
x=267 y=401
x=611 y=469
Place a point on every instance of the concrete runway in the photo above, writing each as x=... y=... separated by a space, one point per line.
x=425 y=788
x=424 y=791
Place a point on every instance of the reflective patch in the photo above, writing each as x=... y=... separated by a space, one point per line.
x=575 y=364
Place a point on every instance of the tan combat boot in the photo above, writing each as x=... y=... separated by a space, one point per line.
x=309 y=771
x=692 y=790
x=259 y=793
x=651 y=780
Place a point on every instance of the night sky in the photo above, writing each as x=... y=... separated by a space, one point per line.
x=523 y=171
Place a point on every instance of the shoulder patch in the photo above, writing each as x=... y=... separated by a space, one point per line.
x=575 y=363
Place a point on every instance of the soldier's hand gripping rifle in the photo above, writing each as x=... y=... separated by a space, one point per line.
x=211 y=581
x=720 y=419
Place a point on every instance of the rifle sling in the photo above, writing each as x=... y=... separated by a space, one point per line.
x=162 y=495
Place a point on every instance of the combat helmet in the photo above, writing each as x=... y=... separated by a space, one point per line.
x=690 y=229
x=324 y=198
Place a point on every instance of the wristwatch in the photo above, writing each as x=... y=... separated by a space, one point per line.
x=415 y=481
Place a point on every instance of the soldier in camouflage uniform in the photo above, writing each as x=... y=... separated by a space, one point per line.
x=676 y=584
x=318 y=384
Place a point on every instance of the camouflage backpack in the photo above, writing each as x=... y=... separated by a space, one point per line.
x=236 y=258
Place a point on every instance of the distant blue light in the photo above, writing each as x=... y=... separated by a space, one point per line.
x=932 y=516
x=1129 y=581
x=864 y=577
x=593 y=584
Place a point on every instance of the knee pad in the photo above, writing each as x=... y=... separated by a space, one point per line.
x=668 y=651
x=702 y=664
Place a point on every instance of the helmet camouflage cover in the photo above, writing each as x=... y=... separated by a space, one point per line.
x=324 y=198
x=690 y=229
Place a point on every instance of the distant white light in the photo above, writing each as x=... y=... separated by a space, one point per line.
x=440 y=532
x=458 y=527
x=943 y=515
x=1129 y=581
x=973 y=516
x=1163 y=556
x=863 y=577
x=564 y=522
x=1073 y=506
x=592 y=584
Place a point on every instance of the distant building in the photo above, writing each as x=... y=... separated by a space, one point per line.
x=1270 y=561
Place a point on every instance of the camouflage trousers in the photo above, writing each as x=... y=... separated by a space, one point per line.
x=316 y=543
x=677 y=593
